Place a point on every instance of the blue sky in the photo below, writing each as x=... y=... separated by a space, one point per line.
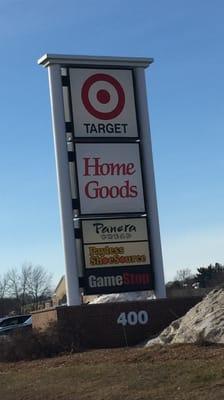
x=186 y=97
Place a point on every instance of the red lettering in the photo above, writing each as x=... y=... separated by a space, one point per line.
x=94 y=167
x=125 y=278
x=89 y=191
x=103 y=192
x=118 y=169
x=114 y=192
x=94 y=191
x=88 y=166
x=133 y=191
x=136 y=279
x=104 y=169
x=130 y=169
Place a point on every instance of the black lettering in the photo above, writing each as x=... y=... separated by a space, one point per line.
x=98 y=227
x=93 y=128
x=87 y=127
x=101 y=128
x=125 y=127
x=110 y=128
x=117 y=128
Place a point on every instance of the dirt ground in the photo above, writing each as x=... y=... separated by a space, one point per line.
x=178 y=372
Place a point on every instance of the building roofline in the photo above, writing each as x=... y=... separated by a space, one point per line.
x=63 y=277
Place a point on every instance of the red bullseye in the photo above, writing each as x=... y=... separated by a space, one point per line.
x=103 y=96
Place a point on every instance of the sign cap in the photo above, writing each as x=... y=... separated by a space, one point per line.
x=48 y=59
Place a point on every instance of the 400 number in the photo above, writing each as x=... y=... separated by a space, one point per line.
x=133 y=318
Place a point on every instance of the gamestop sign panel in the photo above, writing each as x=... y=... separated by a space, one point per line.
x=109 y=178
x=103 y=103
x=116 y=280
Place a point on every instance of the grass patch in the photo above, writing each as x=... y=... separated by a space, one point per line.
x=178 y=373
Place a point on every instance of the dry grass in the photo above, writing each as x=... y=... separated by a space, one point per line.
x=32 y=344
x=182 y=372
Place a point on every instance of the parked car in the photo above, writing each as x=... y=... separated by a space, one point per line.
x=9 y=325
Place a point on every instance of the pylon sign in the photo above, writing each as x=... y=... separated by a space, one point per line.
x=105 y=175
x=103 y=103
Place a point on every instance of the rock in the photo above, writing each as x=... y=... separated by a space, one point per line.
x=204 y=323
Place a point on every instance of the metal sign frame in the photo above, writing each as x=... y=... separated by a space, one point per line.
x=55 y=63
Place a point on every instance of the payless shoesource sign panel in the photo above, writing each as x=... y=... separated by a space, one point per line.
x=116 y=255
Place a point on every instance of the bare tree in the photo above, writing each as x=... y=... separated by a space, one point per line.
x=29 y=285
x=39 y=284
x=25 y=277
x=183 y=274
x=3 y=286
x=13 y=279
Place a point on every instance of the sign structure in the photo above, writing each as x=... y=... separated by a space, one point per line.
x=109 y=178
x=103 y=103
x=105 y=175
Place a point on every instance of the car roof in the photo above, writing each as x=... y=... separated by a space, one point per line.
x=15 y=316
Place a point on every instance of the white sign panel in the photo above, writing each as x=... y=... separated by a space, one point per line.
x=116 y=255
x=109 y=178
x=103 y=103
x=114 y=230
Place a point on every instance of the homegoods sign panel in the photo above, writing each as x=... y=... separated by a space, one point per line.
x=109 y=178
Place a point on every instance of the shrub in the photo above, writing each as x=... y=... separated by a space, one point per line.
x=30 y=345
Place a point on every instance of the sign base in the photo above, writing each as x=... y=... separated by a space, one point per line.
x=115 y=324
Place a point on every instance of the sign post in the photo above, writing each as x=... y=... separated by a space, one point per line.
x=63 y=180
x=102 y=144
x=151 y=200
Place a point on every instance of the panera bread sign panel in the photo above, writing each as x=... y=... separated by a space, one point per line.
x=109 y=178
x=114 y=230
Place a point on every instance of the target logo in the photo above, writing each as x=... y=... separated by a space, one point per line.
x=103 y=103
x=103 y=96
